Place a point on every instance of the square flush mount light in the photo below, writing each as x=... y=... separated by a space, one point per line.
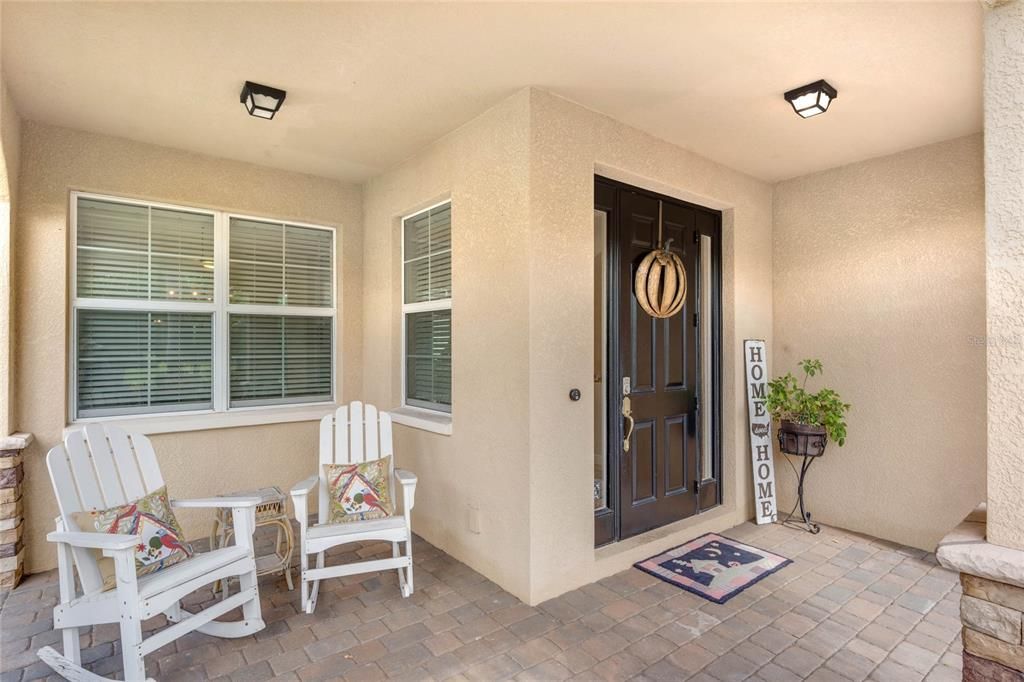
x=812 y=99
x=261 y=101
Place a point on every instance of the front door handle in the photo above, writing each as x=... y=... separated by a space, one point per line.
x=627 y=412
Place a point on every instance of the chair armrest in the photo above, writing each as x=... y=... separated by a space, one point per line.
x=304 y=487
x=102 y=541
x=408 y=481
x=300 y=494
x=216 y=502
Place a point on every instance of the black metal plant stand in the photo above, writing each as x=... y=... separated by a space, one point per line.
x=804 y=521
x=798 y=442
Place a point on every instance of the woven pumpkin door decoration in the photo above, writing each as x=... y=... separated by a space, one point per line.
x=660 y=284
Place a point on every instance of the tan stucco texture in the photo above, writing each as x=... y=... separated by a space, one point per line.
x=484 y=464
x=10 y=165
x=879 y=271
x=1004 y=179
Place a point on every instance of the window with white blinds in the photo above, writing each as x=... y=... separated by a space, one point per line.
x=280 y=264
x=128 y=251
x=288 y=271
x=187 y=310
x=427 y=308
x=133 y=362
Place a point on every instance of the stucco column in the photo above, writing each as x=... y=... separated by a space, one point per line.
x=988 y=549
x=1004 y=230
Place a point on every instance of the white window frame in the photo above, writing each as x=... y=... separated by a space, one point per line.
x=417 y=416
x=222 y=415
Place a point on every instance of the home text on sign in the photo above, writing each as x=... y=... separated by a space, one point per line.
x=760 y=432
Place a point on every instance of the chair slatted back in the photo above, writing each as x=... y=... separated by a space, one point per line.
x=354 y=433
x=98 y=467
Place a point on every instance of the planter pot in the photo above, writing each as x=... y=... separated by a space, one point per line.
x=802 y=439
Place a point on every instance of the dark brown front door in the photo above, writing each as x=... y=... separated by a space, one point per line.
x=669 y=369
x=658 y=363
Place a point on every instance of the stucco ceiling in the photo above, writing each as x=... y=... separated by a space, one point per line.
x=370 y=84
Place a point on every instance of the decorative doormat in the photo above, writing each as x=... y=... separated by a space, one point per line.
x=713 y=566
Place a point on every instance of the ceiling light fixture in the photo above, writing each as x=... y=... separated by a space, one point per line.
x=261 y=101
x=812 y=99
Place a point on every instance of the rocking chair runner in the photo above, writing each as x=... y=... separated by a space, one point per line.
x=354 y=434
x=101 y=467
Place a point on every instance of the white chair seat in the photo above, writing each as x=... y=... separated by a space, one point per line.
x=153 y=587
x=323 y=530
x=180 y=573
x=327 y=535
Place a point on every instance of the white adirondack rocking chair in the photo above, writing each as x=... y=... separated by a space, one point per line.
x=98 y=468
x=353 y=434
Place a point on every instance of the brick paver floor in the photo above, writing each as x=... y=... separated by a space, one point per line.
x=850 y=607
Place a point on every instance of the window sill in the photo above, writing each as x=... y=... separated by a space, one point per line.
x=425 y=420
x=202 y=421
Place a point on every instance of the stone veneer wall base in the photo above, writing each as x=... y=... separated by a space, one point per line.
x=992 y=604
x=978 y=669
x=12 y=521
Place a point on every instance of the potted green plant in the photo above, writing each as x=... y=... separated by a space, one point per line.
x=806 y=420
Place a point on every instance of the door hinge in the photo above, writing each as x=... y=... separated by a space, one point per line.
x=696 y=487
x=696 y=237
x=696 y=319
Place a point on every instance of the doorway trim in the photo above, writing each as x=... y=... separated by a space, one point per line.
x=709 y=489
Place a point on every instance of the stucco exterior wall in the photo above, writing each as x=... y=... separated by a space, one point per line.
x=879 y=273
x=1004 y=187
x=10 y=148
x=521 y=180
x=483 y=465
x=569 y=144
x=195 y=464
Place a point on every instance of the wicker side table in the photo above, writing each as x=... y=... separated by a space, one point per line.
x=271 y=511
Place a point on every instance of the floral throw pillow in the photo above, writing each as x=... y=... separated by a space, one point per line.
x=360 y=492
x=162 y=541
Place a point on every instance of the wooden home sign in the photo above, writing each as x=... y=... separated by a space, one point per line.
x=760 y=432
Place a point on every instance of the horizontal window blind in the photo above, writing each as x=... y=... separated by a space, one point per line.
x=280 y=359
x=280 y=264
x=133 y=362
x=428 y=340
x=127 y=251
x=428 y=255
x=181 y=263
x=427 y=262
x=148 y=315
